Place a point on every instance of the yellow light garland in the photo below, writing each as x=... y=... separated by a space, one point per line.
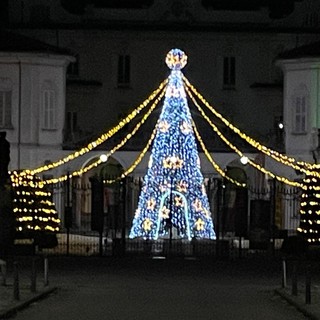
x=284 y=159
x=236 y=150
x=103 y=137
x=120 y=144
x=137 y=161
x=214 y=164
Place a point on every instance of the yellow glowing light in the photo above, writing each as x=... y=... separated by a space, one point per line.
x=137 y=161
x=147 y=223
x=129 y=136
x=151 y=203
x=236 y=150
x=103 y=158
x=200 y=224
x=178 y=201
x=165 y=212
x=244 y=160
x=214 y=164
x=197 y=205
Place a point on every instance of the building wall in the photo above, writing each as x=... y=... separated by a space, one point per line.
x=98 y=53
x=302 y=80
x=97 y=40
x=34 y=11
x=28 y=75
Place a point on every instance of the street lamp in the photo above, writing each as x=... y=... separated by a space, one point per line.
x=244 y=160
x=103 y=158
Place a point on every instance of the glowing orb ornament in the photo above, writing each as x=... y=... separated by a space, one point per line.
x=176 y=59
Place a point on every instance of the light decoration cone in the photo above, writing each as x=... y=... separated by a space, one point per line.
x=32 y=206
x=173 y=194
x=309 y=227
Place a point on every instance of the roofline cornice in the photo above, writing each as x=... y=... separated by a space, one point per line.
x=36 y=58
x=169 y=26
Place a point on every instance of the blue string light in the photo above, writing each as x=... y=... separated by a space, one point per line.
x=173 y=194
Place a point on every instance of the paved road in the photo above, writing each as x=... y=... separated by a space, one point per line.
x=161 y=289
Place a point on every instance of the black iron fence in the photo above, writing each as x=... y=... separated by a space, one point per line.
x=96 y=219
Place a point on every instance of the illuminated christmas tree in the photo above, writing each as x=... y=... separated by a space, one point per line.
x=173 y=198
x=35 y=213
x=309 y=227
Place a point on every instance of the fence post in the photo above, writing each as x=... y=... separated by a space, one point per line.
x=273 y=206
x=33 y=287
x=294 y=279
x=284 y=273
x=16 y=289
x=217 y=226
x=308 y=285
x=46 y=271
x=123 y=206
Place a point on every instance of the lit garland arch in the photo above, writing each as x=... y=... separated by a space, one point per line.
x=154 y=99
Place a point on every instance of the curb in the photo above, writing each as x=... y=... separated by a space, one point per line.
x=298 y=306
x=13 y=310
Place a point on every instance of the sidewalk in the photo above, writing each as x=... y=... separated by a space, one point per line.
x=311 y=310
x=25 y=292
x=9 y=305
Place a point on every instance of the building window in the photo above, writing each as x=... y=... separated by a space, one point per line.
x=49 y=110
x=73 y=68
x=5 y=109
x=72 y=122
x=123 y=70
x=300 y=115
x=229 y=72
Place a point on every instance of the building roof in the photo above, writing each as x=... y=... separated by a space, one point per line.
x=13 y=42
x=307 y=51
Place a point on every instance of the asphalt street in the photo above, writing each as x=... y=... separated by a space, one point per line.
x=120 y=289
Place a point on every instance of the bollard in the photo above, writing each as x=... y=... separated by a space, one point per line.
x=294 y=279
x=16 y=289
x=46 y=271
x=33 y=286
x=284 y=273
x=3 y=272
x=308 y=285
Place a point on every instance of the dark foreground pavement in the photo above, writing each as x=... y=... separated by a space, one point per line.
x=145 y=288
x=9 y=306
x=312 y=310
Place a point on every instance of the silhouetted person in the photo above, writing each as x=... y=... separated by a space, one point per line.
x=4 y=158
